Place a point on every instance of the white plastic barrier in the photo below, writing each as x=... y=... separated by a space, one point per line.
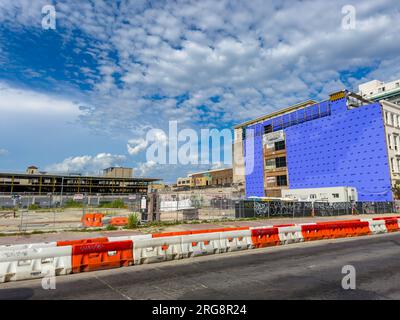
x=236 y=240
x=157 y=249
x=289 y=235
x=35 y=263
x=28 y=246
x=133 y=238
x=193 y=245
x=376 y=226
x=203 y=244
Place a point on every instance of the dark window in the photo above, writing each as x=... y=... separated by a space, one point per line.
x=280 y=145
x=280 y=162
x=268 y=129
x=335 y=195
x=281 y=180
x=244 y=134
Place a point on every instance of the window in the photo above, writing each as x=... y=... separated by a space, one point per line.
x=270 y=164
x=313 y=196
x=268 y=129
x=390 y=141
x=281 y=180
x=335 y=195
x=392 y=164
x=280 y=162
x=271 y=181
x=280 y=145
x=392 y=119
x=398 y=165
x=387 y=117
x=395 y=138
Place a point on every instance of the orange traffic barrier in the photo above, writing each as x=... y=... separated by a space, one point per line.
x=101 y=255
x=329 y=230
x=81 y=241
x=171 y=234
x=339 y=221
x=265 y=237
x=283 y=225
x=386 y=218
x=392 y=225
x=313 y=232
x=119 y=221
x=92 y=220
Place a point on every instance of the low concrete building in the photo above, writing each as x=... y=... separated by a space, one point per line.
x=210 y=178
x=42 y=183
x=376 y=90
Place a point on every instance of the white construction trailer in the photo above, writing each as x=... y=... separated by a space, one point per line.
x=331 y=194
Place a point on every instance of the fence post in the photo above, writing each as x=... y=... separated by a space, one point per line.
x=312 y=209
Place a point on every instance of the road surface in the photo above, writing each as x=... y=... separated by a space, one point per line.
x=310 y=270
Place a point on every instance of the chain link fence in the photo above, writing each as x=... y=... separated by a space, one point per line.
x=184 y=207
x=197 y=206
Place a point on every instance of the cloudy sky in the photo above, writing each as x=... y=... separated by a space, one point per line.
x=83 y=96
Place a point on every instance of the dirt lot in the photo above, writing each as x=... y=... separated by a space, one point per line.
x=47 y=220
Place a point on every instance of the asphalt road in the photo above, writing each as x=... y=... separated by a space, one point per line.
x=301 y=271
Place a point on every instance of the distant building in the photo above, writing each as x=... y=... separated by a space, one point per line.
x=118 y=172
x=32 y=170
x=377 y=90
x=184 y=182
x=41 y=183
x=210 y=178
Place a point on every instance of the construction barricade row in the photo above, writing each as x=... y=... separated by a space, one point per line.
x=37 y=260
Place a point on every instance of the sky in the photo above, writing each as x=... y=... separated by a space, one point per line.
x=82 y=97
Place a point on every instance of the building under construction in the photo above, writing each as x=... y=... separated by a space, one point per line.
x=115 y=180
x=346 y=141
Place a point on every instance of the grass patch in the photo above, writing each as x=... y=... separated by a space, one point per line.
x=72 y=204
x=116 y=204
x=33 y=206
x=133 y=221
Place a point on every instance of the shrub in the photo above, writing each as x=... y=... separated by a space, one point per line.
x=111 y=227
x=72 y=204
x=116 y=204
x=33 y=206
x=133 y=221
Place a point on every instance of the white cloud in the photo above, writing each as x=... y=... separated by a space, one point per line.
x=135 y=146
x=143 y=168
x=27 y=103
x=3 y=152
x=87 y=164
x=256 y=56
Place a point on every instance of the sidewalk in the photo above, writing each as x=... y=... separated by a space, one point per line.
x=50 y=237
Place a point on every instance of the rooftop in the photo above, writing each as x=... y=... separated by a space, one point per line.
x=69 y=175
